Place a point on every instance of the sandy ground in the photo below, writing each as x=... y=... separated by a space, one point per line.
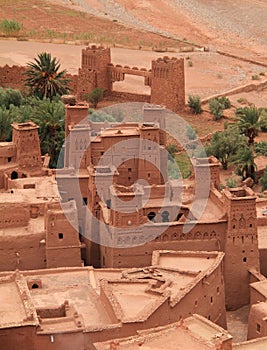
x=210 y=73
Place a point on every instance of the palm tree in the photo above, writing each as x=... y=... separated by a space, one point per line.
x=249 y=122
x=44 y=78
x=244 y=160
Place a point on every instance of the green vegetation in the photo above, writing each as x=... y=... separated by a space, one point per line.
x=95 y=96
x=260 y=148
x=263 y=180
x=48 y=114
x=44 y=78
x=224 y=145
x=231 y=181
x=250 y=120
x=217 y=105
x=245 y=161
x=255 y=77
x=10 y=27
x=194 y=102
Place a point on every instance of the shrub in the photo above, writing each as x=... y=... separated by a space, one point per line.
x=95 y=96
x=260 y=148
x=190 y=133
x=263 y=180
x=255 y=77
x=194 y=102
x=10 y=28
x=217 y=105
x=216 y=108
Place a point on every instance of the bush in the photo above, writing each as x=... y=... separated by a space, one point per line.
x=216 y=108
x=95 y=96
x=190 y=133
x=10 y=97
x=10 y=28
x=194 y=103
x=260 y=148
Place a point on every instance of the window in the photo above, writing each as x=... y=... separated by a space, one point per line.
x=60 y=235
x=244 y=259
x=258 y=328
x=85 y=201
x=211 y=300
x=35 y=286
x=9 y=159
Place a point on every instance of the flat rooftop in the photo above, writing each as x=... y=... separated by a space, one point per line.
x=177 y=336
x=15 y=307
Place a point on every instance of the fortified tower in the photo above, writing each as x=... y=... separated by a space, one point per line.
x=168 y=83
x=93 y=73
x=28 y=153
x=241 y=246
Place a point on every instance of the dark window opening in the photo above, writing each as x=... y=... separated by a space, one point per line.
x=211 y=300
x=60 y=235
x=165 y=216
x=151 y=216
x=244 y=259
x=9 y=159
x=35 y=286
x=14 y=175
x=85 y=201
x=258 y=328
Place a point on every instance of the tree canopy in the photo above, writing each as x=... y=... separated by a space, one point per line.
x=44 y=77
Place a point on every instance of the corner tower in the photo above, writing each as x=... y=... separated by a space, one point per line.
x=168 y=83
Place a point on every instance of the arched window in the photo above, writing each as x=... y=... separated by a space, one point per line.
x=151 y=216
x=165 y=216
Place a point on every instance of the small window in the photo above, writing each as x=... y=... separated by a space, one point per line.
x=244 y=259
x=211 y=300
x=35 y=286
x=129 y=170
x=84 y=201
x=258 y=328
x=196 y=303
x=148 y=175
x=9 y=159
x=60 y=235
x=218 y=290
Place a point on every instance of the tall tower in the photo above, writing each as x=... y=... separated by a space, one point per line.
x=26 y=139
x=63 y=247
x=168 y=83
x=94 y=73
x=241 y=245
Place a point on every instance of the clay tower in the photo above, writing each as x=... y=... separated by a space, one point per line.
x=168 y=83
x=25 y=138
x=241 y=246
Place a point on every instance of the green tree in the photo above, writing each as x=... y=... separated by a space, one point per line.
x=95 y=96
x=49 y=116
x=249 y=122
x=194 y=102
x=224 y=145
x=245 y=161
x=5 y=124
x=263 y=180
x=44 y=77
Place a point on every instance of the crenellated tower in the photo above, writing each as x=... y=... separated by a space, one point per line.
x=168 y=83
